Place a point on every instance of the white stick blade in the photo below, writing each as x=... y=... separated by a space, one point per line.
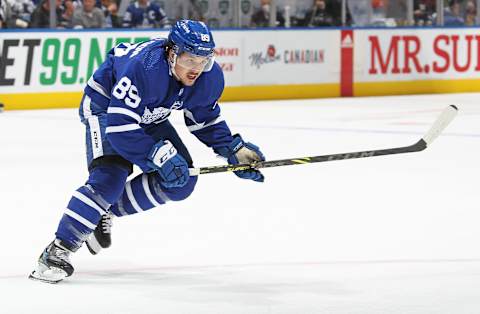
x=440 y=124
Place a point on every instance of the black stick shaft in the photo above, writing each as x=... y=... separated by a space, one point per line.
x=419 y=146
x=438 y=126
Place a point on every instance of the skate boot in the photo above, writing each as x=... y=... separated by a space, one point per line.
x=101 y=237
x=53 y=264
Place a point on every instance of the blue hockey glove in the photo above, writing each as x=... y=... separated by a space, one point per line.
x=171 y=166
x=240 y=152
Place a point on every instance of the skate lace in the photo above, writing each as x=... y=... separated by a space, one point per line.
x=107 y=223
x=61 y=253
x=64 y=255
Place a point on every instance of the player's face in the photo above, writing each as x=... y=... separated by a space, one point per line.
x=189 y=67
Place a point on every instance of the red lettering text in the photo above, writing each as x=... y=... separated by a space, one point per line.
x=376 y=53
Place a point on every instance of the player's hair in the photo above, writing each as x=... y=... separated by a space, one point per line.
x=168 y=46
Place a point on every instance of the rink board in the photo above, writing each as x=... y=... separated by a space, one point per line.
x=50 y=69
x=416 y=61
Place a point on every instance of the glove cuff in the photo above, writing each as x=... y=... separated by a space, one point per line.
x=232 y=148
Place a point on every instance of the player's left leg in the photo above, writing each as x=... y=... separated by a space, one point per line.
x=108 y=173
x=145 y=191
x=81 y=216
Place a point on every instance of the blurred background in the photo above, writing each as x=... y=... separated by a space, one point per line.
x=268 y=49
x=237 y=13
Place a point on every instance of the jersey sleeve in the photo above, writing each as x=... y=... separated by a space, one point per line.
x=128 y=100
x=204 y=119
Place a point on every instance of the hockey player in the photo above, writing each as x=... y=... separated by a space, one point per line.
x=143 y=14
x=125 y=109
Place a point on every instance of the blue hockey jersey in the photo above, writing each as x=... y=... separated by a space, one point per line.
x=145 y=17
x=134 y=88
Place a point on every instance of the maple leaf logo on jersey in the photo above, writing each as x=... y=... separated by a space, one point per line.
x=159 y=114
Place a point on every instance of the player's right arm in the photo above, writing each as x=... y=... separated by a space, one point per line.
x=123 y=121
x=130 y=140
x=131 y=93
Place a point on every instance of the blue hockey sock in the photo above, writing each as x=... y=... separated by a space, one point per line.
x=144 y=192
x=88 y=203
x=81 y=217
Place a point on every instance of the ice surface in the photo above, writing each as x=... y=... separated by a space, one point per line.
x=394 y=234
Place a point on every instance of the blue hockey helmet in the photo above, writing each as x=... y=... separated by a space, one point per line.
x=193 y=37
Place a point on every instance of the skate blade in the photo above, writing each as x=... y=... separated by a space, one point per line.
x=34 y=277
x=48 y=275
x=92 y=245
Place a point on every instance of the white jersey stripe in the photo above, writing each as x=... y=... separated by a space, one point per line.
x=122 y=128
x=190 y=116
x=131 y=197
x=87 y=110
x=148 y=192
x=126 y=112
x=80 y=219
x=97 y=87
x=200 y=126
x=88 y=202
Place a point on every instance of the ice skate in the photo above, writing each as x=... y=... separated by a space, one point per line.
x=101 y=237
x=53 y=264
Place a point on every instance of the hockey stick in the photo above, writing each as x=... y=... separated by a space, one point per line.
x=438 y=126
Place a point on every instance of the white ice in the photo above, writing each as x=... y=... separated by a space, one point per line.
x=394 y=234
